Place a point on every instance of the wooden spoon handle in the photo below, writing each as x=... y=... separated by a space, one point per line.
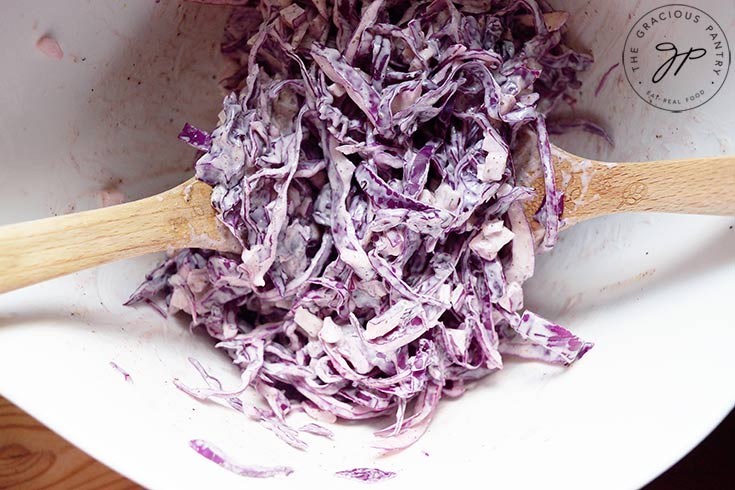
x=35 y=251
x=692 y=186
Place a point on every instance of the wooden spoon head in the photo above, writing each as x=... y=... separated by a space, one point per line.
x=194 y=222
x=702 y=185
x=572 y=174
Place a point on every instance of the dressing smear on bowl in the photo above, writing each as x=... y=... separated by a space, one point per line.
x=364 y=159
x=50 y=47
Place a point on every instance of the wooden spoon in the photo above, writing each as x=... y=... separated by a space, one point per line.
x=592 y=188
x=183 y=216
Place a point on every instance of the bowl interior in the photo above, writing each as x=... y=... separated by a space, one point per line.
x=647 y=289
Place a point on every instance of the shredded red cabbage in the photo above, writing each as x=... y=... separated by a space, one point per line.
x=365 y=161
x=367 y=475
x=195 y=137
x=120 y=370
x=216 y=455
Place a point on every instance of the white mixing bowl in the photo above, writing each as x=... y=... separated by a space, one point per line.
x=654 y=292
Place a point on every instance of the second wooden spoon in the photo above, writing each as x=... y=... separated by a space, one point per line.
x=592 y=188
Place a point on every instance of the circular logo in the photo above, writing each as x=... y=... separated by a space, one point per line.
x=676 y=57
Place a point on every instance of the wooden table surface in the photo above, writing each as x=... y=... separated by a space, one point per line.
x=34 y=458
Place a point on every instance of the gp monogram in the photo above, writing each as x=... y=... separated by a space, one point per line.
x=676 y=57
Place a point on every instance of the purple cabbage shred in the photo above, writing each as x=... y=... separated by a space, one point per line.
x=216 y=455
x=367 y=475
x=195 y=137
x=120 y=370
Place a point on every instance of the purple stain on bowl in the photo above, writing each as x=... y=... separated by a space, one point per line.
x=367 y=475
x=125 y=374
